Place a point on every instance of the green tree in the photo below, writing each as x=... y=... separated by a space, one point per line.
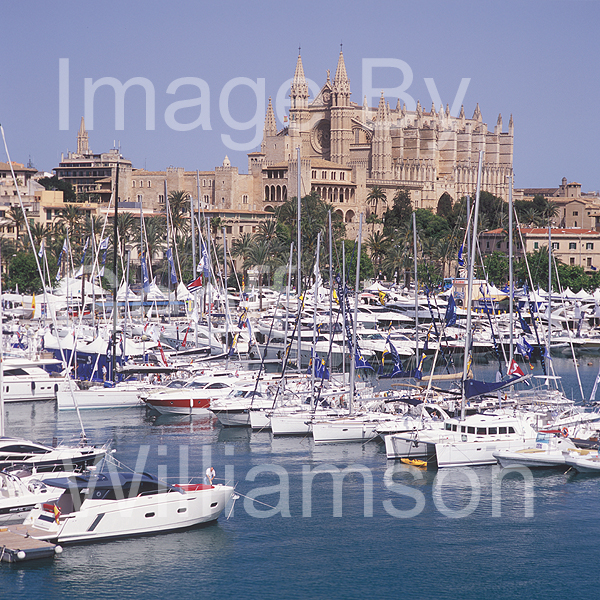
x=496 y=268
x=375 y=196
x=17 y=220
x=399 y=214
x=22 y=271
x=54 y=183
x=444 y=207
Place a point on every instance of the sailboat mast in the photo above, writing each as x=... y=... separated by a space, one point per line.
x=314 y=340
x=549 y=285
x=116 y=283
x=354 y=352
x=168 y=248
x=470 y=288
x=414 y=222
x=510 y=268
x=299 y=245
x=1 y=358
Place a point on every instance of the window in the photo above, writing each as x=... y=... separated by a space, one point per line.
x=141 y=184
x=323 y=174
x=463 y=429
x=133 y=184
x=487 y=244
x=555 y=245
x=454 y=427
x=572 y=246
x=241 y=229
x=448 y=426
x=575 y=213
x=481 y=431
x=161 y=199
x=470 y=429
x=48 y=214
x=314 y=175
x=333 y=175
x=245 y=199
x=511 y=430
x=572 y=261
x=229 y=229
x=502 y=430
x=206 y=199
x=589 y=262
x=222 y=200
x=492 y=431
x=589 y=246
x=536 y=245
x=342 y=176
x=498 y=244
x=149 y=183
x=139 y=198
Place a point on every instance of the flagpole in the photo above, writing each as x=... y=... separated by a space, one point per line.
x=313 y=351
x=510 y=267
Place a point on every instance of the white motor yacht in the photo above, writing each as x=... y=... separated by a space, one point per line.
x=99 y=506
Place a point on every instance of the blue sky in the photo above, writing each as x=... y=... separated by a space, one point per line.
x=538 y=60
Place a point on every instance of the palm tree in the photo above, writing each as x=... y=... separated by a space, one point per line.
x=40 y=232
x=179 y=205
x=17 y=218
x=261 y=258
x=154 y=241
x=377 y=245
x=71 y=217
x=240 y=247
x=127 y=229
x=375 y=196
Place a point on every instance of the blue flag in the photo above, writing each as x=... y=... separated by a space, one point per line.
x=361 y=363
x=461 y=260
x=524 y=326
x=145 y=278
x=171 y=266
x=450 y=317
x=524 y=348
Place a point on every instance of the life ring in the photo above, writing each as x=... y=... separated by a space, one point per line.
x=565 y=432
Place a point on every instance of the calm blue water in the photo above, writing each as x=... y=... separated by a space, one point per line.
x=304 y=551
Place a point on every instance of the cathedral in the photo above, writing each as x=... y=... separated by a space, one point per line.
x=346 y=149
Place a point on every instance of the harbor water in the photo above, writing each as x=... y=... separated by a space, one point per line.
x=331 y=521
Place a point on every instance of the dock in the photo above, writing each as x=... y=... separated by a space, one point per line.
x=17 y=546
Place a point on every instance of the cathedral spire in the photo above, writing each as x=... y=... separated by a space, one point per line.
x=381 y=109
x=82 y=139
x=270 y=122
x=299 y=89
x=341 y=83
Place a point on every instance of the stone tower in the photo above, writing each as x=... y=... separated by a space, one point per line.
x=341 y=127
x=382 y=143
x=83 y=146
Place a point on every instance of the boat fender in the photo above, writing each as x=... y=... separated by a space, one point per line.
x=565 y=432
x=32 y=387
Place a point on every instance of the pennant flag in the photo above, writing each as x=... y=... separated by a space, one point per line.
x=593 y=268
x=171 y=266
x=203 y=265
x=162 y=354
x=450 y=317
x=524 y=326
x=524 y=348
x=192 y=286
x=145 y=278
x=514 y=369
x=56 y=513
x=42 y=249
x=103 y=246
x=547 y=354
x=33 y=302
x=60 y=256
x=321 y=371
x=382 y=297
x=361 y=363
x=461 y=260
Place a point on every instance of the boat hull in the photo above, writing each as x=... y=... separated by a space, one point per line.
x=142 y=515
